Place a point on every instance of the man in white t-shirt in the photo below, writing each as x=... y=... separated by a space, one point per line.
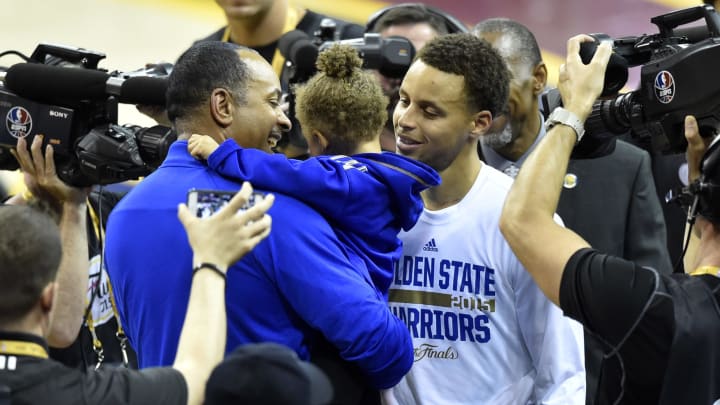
x=483 y=332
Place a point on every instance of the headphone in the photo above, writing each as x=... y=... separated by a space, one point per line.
x=702 y=197
x=708 y=185
x=452 y=24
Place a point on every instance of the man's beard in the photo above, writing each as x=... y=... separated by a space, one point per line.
x=500 y=139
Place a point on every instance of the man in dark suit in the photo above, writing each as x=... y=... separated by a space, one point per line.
x=608 y=196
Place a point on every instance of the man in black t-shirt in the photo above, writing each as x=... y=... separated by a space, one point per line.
x=30 y=253
x=660 y=332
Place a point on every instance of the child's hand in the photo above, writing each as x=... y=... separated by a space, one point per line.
x=201 y=146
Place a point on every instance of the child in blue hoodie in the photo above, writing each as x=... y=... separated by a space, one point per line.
x=366 y=195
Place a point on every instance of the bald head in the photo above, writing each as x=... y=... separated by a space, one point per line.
x=515 y=43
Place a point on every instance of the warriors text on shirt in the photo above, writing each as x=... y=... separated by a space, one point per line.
x=457 y=306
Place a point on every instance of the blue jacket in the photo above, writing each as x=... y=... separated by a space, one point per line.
x=367 y=198
x=298 y=283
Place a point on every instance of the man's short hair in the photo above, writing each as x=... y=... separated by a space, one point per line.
x=405 y=14
x=486 y=76
x=524 y=47
x=30 y=252
x=204 y=67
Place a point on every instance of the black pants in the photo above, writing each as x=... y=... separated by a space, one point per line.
x=349 y=383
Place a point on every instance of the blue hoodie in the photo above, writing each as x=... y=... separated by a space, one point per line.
x=367 y=198
x=297 y=285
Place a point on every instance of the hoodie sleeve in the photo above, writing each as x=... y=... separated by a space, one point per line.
x=330 y=289
x=321 y=182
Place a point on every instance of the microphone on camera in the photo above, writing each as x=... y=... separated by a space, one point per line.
x=297 y=47
x=45 y=82
x=138 y=89
x=693 y=34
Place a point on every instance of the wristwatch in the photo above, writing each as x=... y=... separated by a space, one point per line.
x=562 y=116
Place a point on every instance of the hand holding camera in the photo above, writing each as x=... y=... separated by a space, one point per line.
x=675 y=64
x=580 y=84
x=40 y=176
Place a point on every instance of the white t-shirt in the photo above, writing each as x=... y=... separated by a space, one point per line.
x=482 y=330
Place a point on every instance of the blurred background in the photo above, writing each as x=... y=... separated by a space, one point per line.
x=132 y=33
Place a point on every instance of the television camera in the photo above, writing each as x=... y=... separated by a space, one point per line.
x=60 y=93
x=391 y=56
x=676 y=80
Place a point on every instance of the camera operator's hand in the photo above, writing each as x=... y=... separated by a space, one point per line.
x=40 y=175
x=42 y=181
x=226 y=236
x=579 y=84
x=697 y=145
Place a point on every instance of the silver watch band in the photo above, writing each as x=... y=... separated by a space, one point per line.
x=565 y=117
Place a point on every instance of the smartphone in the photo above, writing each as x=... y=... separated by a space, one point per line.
x=204 y=203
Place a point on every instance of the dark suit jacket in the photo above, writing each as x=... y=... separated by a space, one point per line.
x=614 y=206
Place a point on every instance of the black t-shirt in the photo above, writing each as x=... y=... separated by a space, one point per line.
x=33 y=380
x=629 y=308
x=616 y=300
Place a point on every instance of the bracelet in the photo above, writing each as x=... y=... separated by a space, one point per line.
x=210 y=266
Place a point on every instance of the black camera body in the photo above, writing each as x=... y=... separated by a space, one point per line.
x=676 y=80
x=78 y=116
x=391 y=56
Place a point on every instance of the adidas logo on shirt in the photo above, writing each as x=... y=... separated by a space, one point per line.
x=430 y=246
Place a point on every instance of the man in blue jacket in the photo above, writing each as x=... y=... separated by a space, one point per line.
x=297 y=285
x=367 y=196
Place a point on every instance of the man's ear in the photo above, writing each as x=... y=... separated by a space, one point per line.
x=221 y=107
x=539 y=78
x=481 y=123
x=47 y=296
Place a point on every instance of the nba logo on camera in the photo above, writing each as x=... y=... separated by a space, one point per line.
x=18 y=122
x=664 y=87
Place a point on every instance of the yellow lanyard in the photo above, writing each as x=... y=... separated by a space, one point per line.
x=20 y=348
x=291 y=21
x=711 y=270
x=120 y=334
